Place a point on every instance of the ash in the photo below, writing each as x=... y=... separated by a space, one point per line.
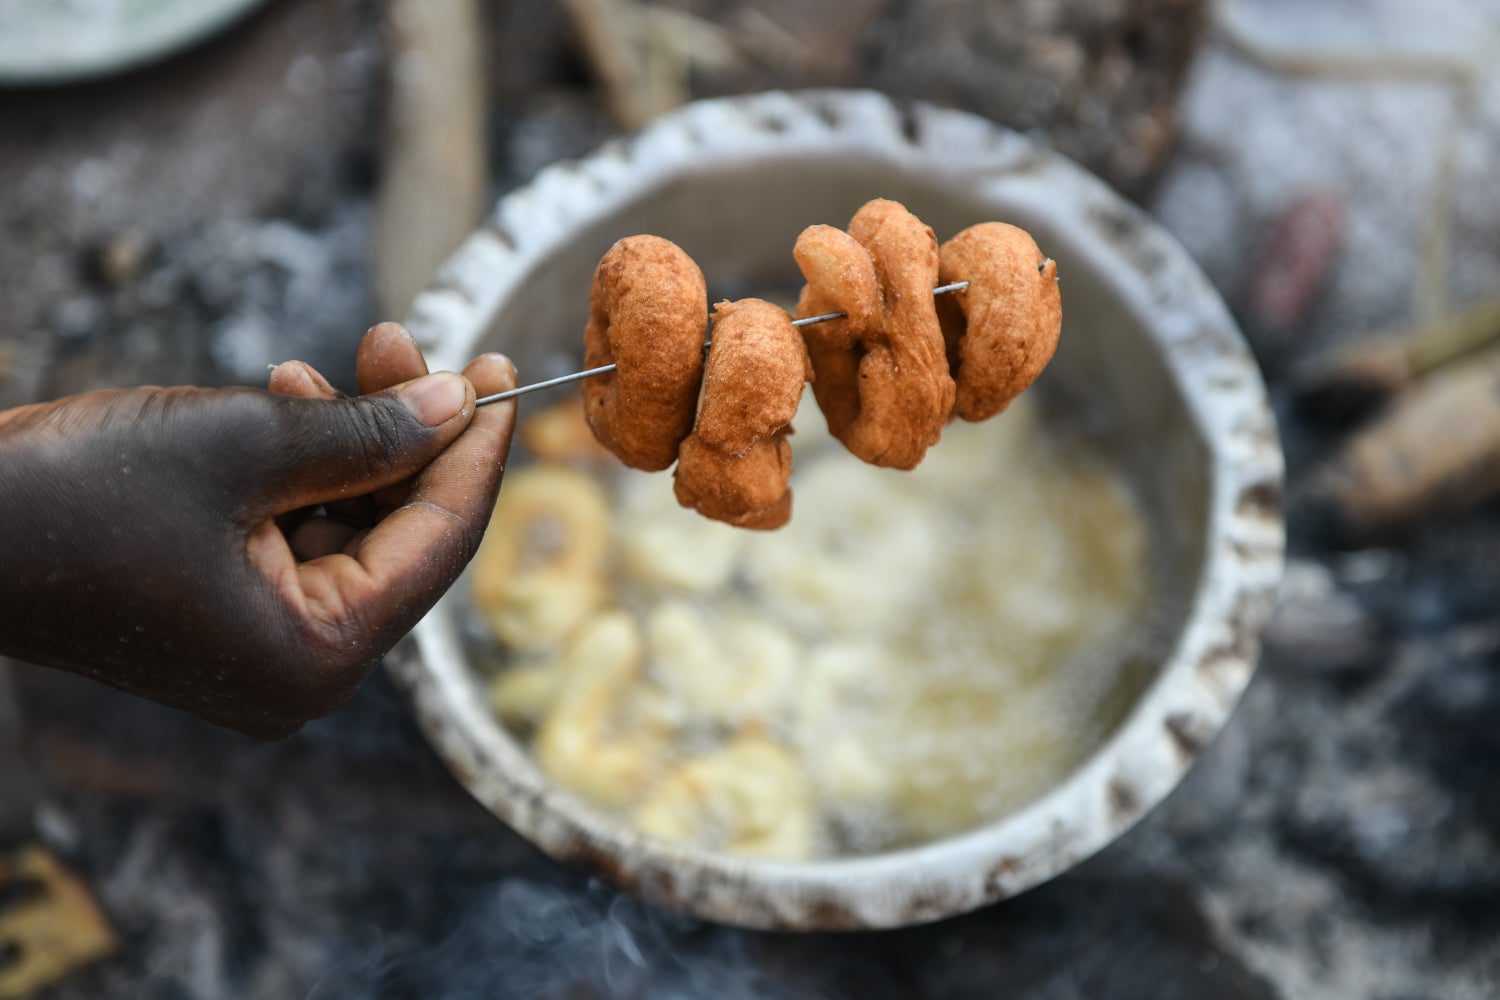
x=201 y=219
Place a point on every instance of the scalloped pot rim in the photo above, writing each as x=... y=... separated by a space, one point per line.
x=53 y=42
x=1172 y=720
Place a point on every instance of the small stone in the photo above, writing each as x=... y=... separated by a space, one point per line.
x=1318 y=626
x=120 y=259
x=78 y=317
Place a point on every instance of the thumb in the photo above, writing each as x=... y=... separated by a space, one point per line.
x=329 y=449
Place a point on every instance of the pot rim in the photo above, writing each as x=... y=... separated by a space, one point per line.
x=1172 y=720
x=47 y=48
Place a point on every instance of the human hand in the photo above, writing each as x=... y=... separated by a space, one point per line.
x=174 y=543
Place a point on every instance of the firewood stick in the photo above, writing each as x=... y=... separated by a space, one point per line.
x=608 y=32
x=432 y=181
x=1434 y=453
x=1356 y=376
x=641 y=54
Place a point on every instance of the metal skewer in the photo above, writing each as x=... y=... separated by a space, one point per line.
x=602 y=369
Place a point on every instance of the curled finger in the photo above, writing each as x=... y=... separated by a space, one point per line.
x=414 y=555
x=298 y=378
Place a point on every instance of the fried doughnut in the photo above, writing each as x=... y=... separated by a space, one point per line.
x=648 y=309
x=882 y=381
x=859 y=552
x=541 y=567
x=734 y=668
x=840 y=278
x=588 y=741
x=747 y=491
x=734 y=466
x=748 y=796
x=560 y=434
x=1002 y=330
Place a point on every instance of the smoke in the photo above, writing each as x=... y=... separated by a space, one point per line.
x=526 y=939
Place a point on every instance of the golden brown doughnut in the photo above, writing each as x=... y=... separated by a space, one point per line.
x=1002 y=330
x=840 y=278
x=882 y=382
x=648 y=310
x=747 y=491
x=734 y=466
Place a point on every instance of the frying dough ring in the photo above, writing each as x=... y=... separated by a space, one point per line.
x=541 y=567
x=648 y=309
x=1002 y=330
x=882 y=374
x=735 y=465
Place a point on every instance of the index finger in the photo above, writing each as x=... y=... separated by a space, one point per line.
x=416 y=553
x=298 y=378
x=387 y=356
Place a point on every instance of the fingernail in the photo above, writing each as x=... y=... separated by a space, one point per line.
x=434 y=399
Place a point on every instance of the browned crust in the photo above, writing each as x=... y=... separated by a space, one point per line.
x=648 y=310
x=888 y=394
x=735 y=465
x=747 y=491
x=753 y=378
x=840 y=278
x=1003 y=329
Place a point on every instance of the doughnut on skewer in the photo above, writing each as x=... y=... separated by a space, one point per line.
x=882 y=372
x=1003 y=329
x=840 y=279
x=891 y=370
x=648 y=309
x=735 y=465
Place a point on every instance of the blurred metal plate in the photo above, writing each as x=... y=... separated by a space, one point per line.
x=60 y=41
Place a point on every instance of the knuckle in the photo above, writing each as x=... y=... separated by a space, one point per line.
x=322 y=650
x=370 y=431
x=378 y=433
x=338 y=658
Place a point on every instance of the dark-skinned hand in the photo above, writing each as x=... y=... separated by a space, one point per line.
x=242 y=554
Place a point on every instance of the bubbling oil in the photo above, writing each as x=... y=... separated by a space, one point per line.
x=913 y=655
